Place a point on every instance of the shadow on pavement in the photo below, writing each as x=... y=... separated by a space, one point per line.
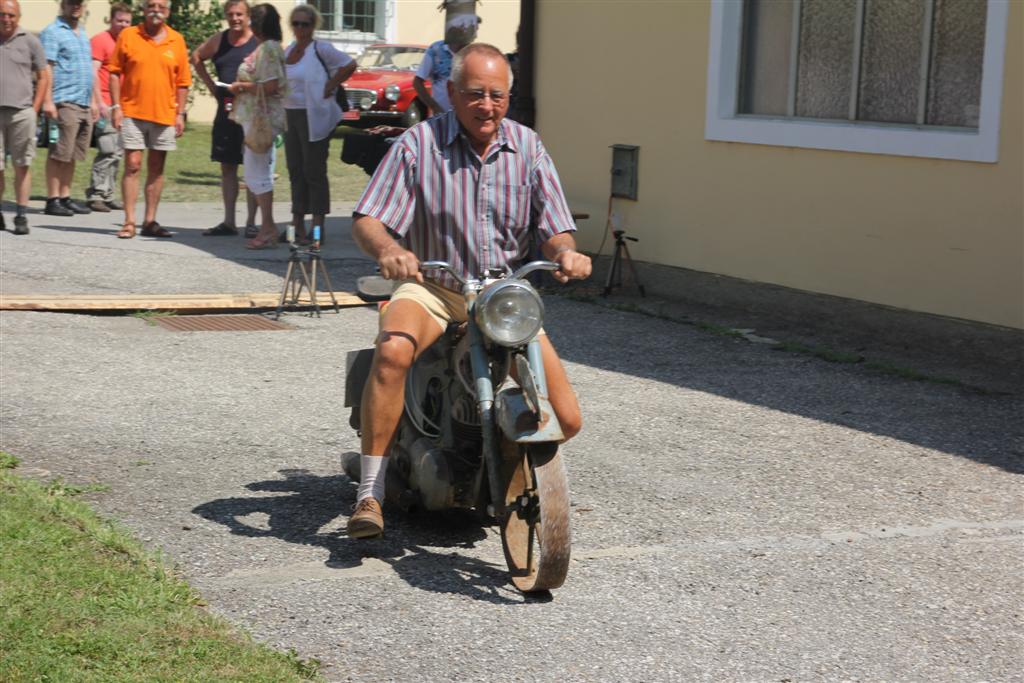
x=982 y=426
x=309 y=503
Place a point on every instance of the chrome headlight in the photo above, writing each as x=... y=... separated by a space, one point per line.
x=392 y=92
x=366 y=103
x=509 y=312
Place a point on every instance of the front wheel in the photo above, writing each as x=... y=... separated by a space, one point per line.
x=535 y=534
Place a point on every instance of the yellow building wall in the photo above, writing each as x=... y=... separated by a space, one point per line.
x=943 y=237
x=419 y=21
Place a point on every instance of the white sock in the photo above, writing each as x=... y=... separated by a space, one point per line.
x=372 y=469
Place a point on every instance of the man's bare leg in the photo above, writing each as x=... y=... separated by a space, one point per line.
x=58 y=177
x=22 y=184
x=560 y=392
x=229 y=191
x=406 y=330
x=130 y=183
x=155 y=161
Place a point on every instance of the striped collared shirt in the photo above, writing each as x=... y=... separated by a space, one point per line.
x=446 y=203
x=71 y=55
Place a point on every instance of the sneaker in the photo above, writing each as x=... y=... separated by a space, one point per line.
x=54 y=207
x=69 y=203
x=20 y=225
x=99 y=205
x=367 y=520
x=114 y=205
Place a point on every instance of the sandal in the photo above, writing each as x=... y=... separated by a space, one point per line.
x=153 y=229
x=221 y=230
x=261 y=243
x=127 y=231
x=252 y=231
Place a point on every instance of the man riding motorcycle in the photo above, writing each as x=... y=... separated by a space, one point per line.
x=466 y=187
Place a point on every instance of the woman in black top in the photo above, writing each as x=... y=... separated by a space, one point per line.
x=227 y=50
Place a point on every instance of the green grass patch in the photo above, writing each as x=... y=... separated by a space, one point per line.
x=149 y=316
x=720 y=330
x=824 y=354
x=190 y=176
x=83 y=601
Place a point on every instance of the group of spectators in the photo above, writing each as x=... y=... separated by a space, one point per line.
x=131 y=84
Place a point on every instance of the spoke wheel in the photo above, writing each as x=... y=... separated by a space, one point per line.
x=535 y=533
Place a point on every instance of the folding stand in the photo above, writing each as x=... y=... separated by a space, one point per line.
x=298 y=277
x=615 y=273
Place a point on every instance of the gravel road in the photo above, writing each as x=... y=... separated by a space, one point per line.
x=739 y=513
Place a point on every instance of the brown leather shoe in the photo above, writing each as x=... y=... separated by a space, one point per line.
x=367 y=520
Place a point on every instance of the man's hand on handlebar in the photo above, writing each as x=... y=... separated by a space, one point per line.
x=572 y=265
x=397 y=263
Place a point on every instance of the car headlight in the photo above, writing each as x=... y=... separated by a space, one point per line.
x=510 y=312
x=366 y=103
x=392 y=92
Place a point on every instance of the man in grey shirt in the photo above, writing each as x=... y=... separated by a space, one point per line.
x=21 y=59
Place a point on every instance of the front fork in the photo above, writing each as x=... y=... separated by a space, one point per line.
x=485 y=404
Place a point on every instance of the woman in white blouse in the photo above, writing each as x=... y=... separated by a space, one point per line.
x=315 y=69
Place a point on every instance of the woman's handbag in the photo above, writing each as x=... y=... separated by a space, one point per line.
x=259 y=135
x=340 y=96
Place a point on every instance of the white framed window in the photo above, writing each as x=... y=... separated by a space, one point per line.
x=354 y=24
x=349 y=15
x=904 y=77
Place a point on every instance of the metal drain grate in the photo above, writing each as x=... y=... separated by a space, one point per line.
x=219 y=323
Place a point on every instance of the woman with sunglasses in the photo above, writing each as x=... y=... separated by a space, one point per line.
x=259 y=92
x=315 y=70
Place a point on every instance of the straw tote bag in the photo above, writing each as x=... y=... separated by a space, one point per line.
x=259 y=136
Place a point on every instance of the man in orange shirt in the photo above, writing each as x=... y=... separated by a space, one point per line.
x=149 y=82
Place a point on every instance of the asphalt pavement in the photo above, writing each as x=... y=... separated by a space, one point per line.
x=740 y=513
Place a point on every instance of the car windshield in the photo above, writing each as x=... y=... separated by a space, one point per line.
x=395 y=57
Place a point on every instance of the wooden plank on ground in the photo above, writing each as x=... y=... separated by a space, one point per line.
x=182 y=303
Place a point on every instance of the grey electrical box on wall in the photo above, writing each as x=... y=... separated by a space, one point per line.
x=625 y=165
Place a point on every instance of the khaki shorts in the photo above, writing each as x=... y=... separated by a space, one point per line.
x=75 y=125
x=17 y=135
x=140 y=134
x=443 y=305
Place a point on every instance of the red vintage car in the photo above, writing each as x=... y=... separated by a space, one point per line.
x=380 y=92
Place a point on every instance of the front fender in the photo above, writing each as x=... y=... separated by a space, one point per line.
x=522 y=425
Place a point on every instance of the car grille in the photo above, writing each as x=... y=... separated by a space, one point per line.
x=355 y=95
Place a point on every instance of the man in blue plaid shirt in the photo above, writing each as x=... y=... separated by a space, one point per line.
x=70 y=56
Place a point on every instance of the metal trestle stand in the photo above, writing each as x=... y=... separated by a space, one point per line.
x=615 y=272
x=303 y=267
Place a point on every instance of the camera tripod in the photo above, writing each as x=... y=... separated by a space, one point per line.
x=615 y=273
x=299 y=276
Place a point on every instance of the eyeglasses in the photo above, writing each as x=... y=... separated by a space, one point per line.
x=301 y=24
x=479 y=95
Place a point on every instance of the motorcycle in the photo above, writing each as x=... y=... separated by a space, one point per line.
x=471 y=437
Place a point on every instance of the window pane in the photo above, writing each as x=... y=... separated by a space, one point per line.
x=327 y=11
x=958 y=44
x=891 y=60
x=764 y=81
x=360 y=15
x=825 y=62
